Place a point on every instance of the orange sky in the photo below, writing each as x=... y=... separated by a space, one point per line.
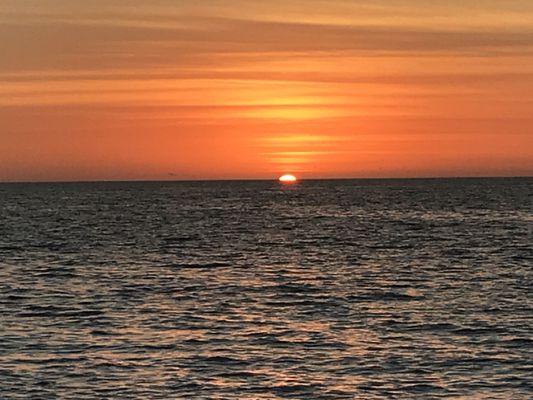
x=216 y=89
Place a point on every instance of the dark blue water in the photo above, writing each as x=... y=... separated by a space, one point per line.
x=395 y=289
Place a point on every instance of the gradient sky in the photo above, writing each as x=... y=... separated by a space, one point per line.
x=208 y=89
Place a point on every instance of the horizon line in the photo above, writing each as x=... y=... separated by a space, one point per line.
x=265 y=179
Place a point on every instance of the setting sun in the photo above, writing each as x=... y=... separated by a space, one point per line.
x=287 y=178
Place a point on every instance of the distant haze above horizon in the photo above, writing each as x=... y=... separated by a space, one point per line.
x=177 y=90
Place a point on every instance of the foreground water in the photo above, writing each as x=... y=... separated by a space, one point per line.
x=252 y=290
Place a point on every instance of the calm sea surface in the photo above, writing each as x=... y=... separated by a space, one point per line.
x=395 y=289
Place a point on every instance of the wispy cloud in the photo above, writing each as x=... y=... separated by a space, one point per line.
x=48 y=41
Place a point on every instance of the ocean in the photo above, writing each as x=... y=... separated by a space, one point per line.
x=333 y=289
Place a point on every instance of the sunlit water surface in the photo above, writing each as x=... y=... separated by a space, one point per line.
x=255 y=290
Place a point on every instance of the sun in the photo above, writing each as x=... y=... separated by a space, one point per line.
x=287 y=178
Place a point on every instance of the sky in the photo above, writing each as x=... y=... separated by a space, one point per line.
x=219 y=89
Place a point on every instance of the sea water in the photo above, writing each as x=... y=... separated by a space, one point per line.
x=341 y=289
